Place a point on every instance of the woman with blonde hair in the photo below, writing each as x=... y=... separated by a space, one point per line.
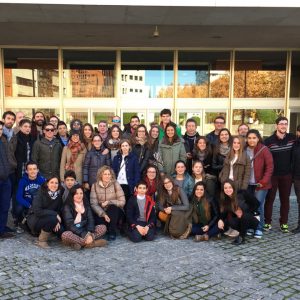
x=107 y=200
x=237 y=166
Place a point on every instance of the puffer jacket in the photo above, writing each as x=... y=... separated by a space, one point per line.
x=113 y=193
x=241 y=171
x=47 y=155
x=93 y=161
x=170 y=154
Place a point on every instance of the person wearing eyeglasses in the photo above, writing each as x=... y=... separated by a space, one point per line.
x=47 y=151
x=213 y=136
x=281 y=146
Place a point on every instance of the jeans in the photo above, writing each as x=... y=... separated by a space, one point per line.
x=5 y=194
x=212 y=231
x=261 y=197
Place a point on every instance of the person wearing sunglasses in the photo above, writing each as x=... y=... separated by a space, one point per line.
x=47 y=151
x=116 y=120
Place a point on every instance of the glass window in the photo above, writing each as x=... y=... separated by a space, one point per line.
x=153 y=118
x=260 y=74
x=29 y=112
x=183 y=116
x=261 y=119
x=209 y=120
x=31 y=73
x=152 y=71
x=127 y=115
x=203 y=74
x=295 y=75
x=71 y=115
x=89 y=73
x=102 y=116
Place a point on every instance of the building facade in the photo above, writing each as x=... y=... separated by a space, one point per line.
x=96 y=60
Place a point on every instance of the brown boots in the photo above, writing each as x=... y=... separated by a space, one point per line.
x=96 y=243
x=43 y=239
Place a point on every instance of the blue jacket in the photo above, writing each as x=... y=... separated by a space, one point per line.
x=133 y=172
x=27 y=189
x=188 y=183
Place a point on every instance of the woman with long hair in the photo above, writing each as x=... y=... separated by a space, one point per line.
x=44 y=216
x=107 y=200
x=97 y=157
x=87 y=135
x=153 y=142
x=171 y=149
x=221 y=150
x=126 y=168
x=152 y=177
x=73 y=156
x=203 y=152
x=237 y=211
x=182 y=178
x=236 y=165
x=140 y=146
x=260 y=173
x=174 y=209
x=79 y=222
x=199 y=175
x=113 y=140
x=205 y=214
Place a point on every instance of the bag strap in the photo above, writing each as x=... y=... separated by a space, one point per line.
x=260 y=150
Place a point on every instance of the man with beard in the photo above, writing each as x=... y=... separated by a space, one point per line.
x=281 y=145
x=9 y=120
x=38 y=120
x=129 y=130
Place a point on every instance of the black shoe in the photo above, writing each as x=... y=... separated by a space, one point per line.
x=8 y=229
x=238 y=241
x=296 y=230
x=6 y=235
x=111 y=237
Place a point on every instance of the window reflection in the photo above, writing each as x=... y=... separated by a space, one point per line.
x=89 y=73
x=31 y=73
x=260 y=74
x=261 y=119
x=146 y=74
x=203 y=74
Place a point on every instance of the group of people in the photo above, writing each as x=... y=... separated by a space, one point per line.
x=86 y=184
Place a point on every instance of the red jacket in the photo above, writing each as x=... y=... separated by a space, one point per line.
x=263 y=166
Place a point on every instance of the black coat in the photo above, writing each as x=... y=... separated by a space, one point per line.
x=87 y=223
x=6 y=159
x=296 y=160
x=43 y=206
x=133 y=212
x=143 y=154
x=93 y=161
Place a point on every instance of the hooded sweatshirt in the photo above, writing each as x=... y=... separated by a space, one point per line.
x=28 y=188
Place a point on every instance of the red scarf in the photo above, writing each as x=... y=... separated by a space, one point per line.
x=75 y=148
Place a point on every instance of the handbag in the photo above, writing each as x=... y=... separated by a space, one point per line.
x=163 y=216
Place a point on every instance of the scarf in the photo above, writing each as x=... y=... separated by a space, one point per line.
x=141 y=141
x=224 y=149
x=87 y=142
x=53 y=195
x=152 y=188
x=75 y=148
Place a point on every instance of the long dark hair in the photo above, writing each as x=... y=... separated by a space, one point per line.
x=208 y=149
x=256 y=132
x=175 y=137
x=228 y=203
x=72 y=192
x=163 y=195
x=45 y=184
x=203 y=199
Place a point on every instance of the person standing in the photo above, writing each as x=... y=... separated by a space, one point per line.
x=9 y=120
x=296 y=174
x=46 y=152
x=6 y=169
x=19 y=116
x=280 y=144
x=213 y=136
x=190 y=138
x=165 y=116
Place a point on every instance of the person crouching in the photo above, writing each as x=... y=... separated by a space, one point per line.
x=140 y=213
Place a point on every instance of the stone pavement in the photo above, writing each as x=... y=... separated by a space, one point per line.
x=163 y=269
